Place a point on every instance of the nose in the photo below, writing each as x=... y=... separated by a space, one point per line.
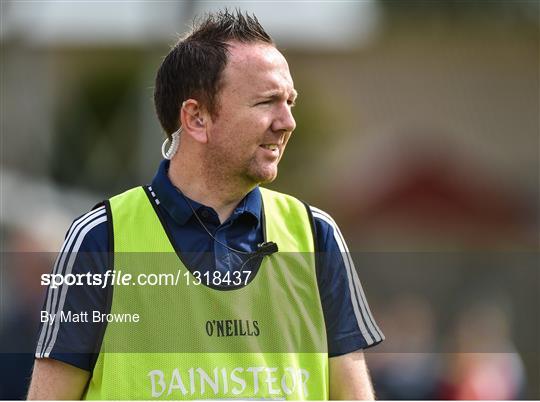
x=284 y=120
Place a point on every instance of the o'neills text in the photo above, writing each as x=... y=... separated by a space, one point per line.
x=232 y=328
x=249 y=381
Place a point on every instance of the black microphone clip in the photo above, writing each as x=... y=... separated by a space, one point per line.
x=267 y=248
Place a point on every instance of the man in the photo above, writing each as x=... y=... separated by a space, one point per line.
x=224 y=96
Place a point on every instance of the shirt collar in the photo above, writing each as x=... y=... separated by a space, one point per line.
x=175 y=204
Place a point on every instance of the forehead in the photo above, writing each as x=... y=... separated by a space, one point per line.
x=256 y=67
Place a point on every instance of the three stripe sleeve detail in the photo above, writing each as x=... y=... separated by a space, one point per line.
x=65 y=260
x=367 y=325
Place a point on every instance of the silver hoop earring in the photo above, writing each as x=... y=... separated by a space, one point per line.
x=175 y=141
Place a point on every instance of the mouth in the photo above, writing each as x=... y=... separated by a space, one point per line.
x=270 y=147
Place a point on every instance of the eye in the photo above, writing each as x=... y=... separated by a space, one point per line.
x=265 y=102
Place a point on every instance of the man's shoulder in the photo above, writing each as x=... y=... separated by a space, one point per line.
x=131 y=193
x=328 y=234
x=326 y=229
x=88 y=232
x=322 y=216
x=278 y=194
x=322 y=219
x=278 y=197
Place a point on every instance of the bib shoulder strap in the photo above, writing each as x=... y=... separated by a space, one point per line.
x=287 y=222
x=136 y=226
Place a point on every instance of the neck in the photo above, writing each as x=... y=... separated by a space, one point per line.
x=204 y=186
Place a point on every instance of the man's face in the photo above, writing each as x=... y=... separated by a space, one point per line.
x=254 y=122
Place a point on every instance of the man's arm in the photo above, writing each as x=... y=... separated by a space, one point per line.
x=349 y=377
x=65 y=350
x=53 y=379
x=350 y=327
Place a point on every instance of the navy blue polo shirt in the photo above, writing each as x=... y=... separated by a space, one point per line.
x=349 y=323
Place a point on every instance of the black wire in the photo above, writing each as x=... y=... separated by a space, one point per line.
x=212 y=236
x=252 y=255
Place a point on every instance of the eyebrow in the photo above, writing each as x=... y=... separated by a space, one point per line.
x=273 y=94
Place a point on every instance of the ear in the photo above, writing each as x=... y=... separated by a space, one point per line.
x=193 y=118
